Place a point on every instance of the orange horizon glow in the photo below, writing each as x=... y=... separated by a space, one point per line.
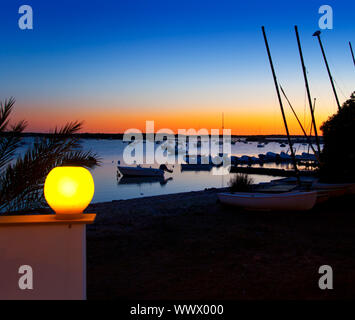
x=241 y=123
x=246 y=111
x=259 y=125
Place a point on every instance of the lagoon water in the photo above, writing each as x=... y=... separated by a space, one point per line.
x=108 y=186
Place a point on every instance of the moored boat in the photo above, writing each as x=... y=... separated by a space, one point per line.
x=139 y=171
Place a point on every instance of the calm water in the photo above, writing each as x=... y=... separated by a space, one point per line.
x=109 y=187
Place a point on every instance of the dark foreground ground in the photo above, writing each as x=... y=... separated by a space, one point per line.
x=188 y=246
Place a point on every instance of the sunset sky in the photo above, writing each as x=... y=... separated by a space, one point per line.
x=116 y=64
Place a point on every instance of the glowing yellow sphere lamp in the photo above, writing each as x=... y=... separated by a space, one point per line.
x=68 y=191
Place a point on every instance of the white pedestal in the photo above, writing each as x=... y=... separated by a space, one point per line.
x=54 y=249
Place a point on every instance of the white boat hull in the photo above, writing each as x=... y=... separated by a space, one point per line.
x=335 y=189
x=140 y=172
x=288 y=201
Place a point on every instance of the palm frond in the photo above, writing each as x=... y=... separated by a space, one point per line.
x=66 y=134
x=69 y=129
x=21 y=182
x=21 y=185
x=9 y=142
x=19 y=127
x=85 y=159
x=5 y=111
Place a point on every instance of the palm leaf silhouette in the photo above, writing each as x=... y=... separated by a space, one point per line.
x=22 y=180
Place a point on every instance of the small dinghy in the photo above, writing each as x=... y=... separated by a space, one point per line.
x=139 y=171
x=288 y=201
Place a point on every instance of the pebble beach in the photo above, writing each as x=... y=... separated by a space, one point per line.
x=189 y=246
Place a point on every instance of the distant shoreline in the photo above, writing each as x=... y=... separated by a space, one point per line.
x=119 y=136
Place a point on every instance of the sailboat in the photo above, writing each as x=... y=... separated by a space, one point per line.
x=287 y=201
x=220 y=142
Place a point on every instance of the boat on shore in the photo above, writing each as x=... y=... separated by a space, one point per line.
x=334 y=189
x=287 y=201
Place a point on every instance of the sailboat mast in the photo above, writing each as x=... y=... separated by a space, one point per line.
x=307 y=89
x=299 y=122
x=222 y=121
x=352 y=53
x=314 y=108
x=281 y=105
x=317 y=34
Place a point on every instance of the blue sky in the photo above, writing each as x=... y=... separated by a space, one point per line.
x=163 y=60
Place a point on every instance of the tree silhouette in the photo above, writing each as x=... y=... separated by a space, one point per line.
x=338 y=156
x=22 y=179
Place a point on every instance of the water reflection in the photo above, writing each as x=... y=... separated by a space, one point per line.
x=196 y=167
x=143 y=180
